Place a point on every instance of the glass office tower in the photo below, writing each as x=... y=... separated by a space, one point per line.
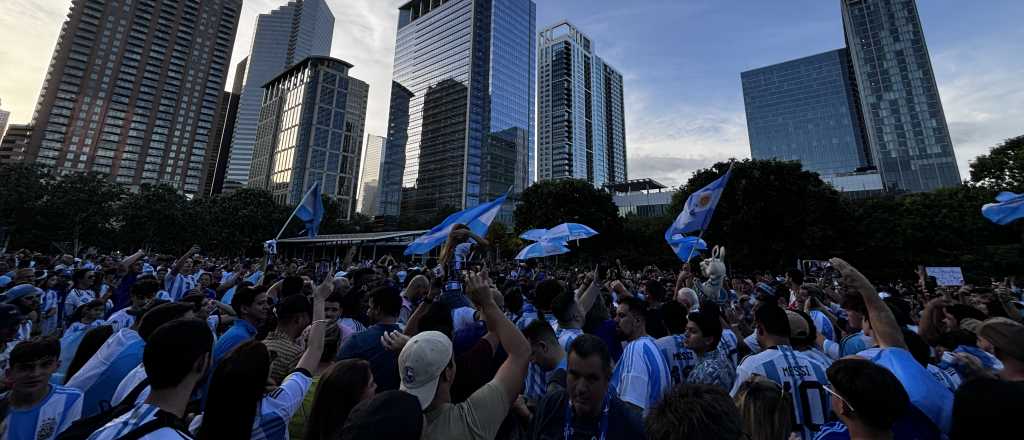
x=369 y=182
x=807 y=110
x=311 y=129
x=906 y=126
x=580 y=110
x=283 y=37
x=461 y=121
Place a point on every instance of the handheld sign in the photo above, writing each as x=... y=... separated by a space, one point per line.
x=946 y=276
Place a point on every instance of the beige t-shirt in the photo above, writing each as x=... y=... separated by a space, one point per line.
x=479 y=417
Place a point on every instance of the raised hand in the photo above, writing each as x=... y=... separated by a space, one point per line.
x=478 y=289
x=394 y=341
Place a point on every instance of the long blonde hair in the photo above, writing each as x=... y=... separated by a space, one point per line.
x=766 y=409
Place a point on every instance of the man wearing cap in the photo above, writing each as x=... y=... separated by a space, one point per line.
x=427 y=370
x=1005 y=340
x=26 y=298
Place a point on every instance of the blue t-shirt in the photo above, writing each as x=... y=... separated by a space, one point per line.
x=239 y=332
x=854 y=344
x=926 y=393
x=50 y=417
x=383 y=362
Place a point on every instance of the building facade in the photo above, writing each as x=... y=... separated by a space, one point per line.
x=14 y=146
x=5 y=117
x=133 y=90
x=369 y=183
x=903 y=114
x=580 y=110
x=641 y=197
x=463 y=116
x=311 y=129
x=283 y=37
x=225 y=122
x=807 y=110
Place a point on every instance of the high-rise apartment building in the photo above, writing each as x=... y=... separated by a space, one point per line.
x=133 y=89
x=369 y=182
x=311 y=130
x=903 y=114
x=867 y=117
x=14 y=145
x=282 y=38
x=581 y=124
x=807 y=110
x=5 y=117
x=466 y=104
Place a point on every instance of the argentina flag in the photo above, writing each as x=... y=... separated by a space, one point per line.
x=311 y=210
x=699 y=208
x=478 y=219
x=1009 y=208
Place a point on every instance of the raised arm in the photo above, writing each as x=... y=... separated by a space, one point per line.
x=129 y=261
x=512 y=372
x=181 y=261
x=324 y=290
x=884 y=327
x=586 y=299
x=314 y=346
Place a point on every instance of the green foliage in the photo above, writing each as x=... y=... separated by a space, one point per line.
x=80 y=209
x=771 y=214
x=503 y=242
x=154 y=218
x=1003 y=168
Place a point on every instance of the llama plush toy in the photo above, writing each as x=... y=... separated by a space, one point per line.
x=714 y=272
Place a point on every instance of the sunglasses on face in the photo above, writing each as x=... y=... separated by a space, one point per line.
x=833 y=392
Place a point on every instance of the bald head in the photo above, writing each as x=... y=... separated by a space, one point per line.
x=342 y=285
x=418 y=286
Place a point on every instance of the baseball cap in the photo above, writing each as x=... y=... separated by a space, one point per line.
x=798 y=328
x=10 y=316
x=1007 y=336
x=421 y=363
x=4 y=280
x=394 y=415
x=20 y=291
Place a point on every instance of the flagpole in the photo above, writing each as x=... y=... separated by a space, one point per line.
x=297 y=206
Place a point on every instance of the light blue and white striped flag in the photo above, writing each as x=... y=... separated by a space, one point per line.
x=477 y=218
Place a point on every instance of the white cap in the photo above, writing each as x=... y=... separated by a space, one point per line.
x=421 y=363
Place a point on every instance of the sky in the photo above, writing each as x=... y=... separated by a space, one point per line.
x=681 y=60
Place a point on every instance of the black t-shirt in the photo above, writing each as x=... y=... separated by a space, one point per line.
x=549 y=420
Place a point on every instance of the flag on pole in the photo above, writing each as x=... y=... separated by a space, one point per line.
x=311 y=210
x=477 y=218
x=699 y=208
x=1010 y=207
x=696 y=215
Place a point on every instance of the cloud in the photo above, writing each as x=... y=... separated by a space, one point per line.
x=668 y=142
x=981 y=96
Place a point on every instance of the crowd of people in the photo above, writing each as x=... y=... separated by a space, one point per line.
x=106 y=347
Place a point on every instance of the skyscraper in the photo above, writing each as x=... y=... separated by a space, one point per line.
x=808 y=110
x=133 y=89
x=225 y=119
x=5 y=117
x=283 y=37
x=392 y=167
x=222 y=143
x=466 y=68
x=311 y=129
x=580 y=116
x=369 y=182
x=903 y=114
x=15 y=144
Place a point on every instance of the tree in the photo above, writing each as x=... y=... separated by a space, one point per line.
x=504 y=244
x=770 y=214
x=81 y=209
x=24 y=187
x=154 y=218
x=238 y=222
x=1003 y=168
x=550 y=203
